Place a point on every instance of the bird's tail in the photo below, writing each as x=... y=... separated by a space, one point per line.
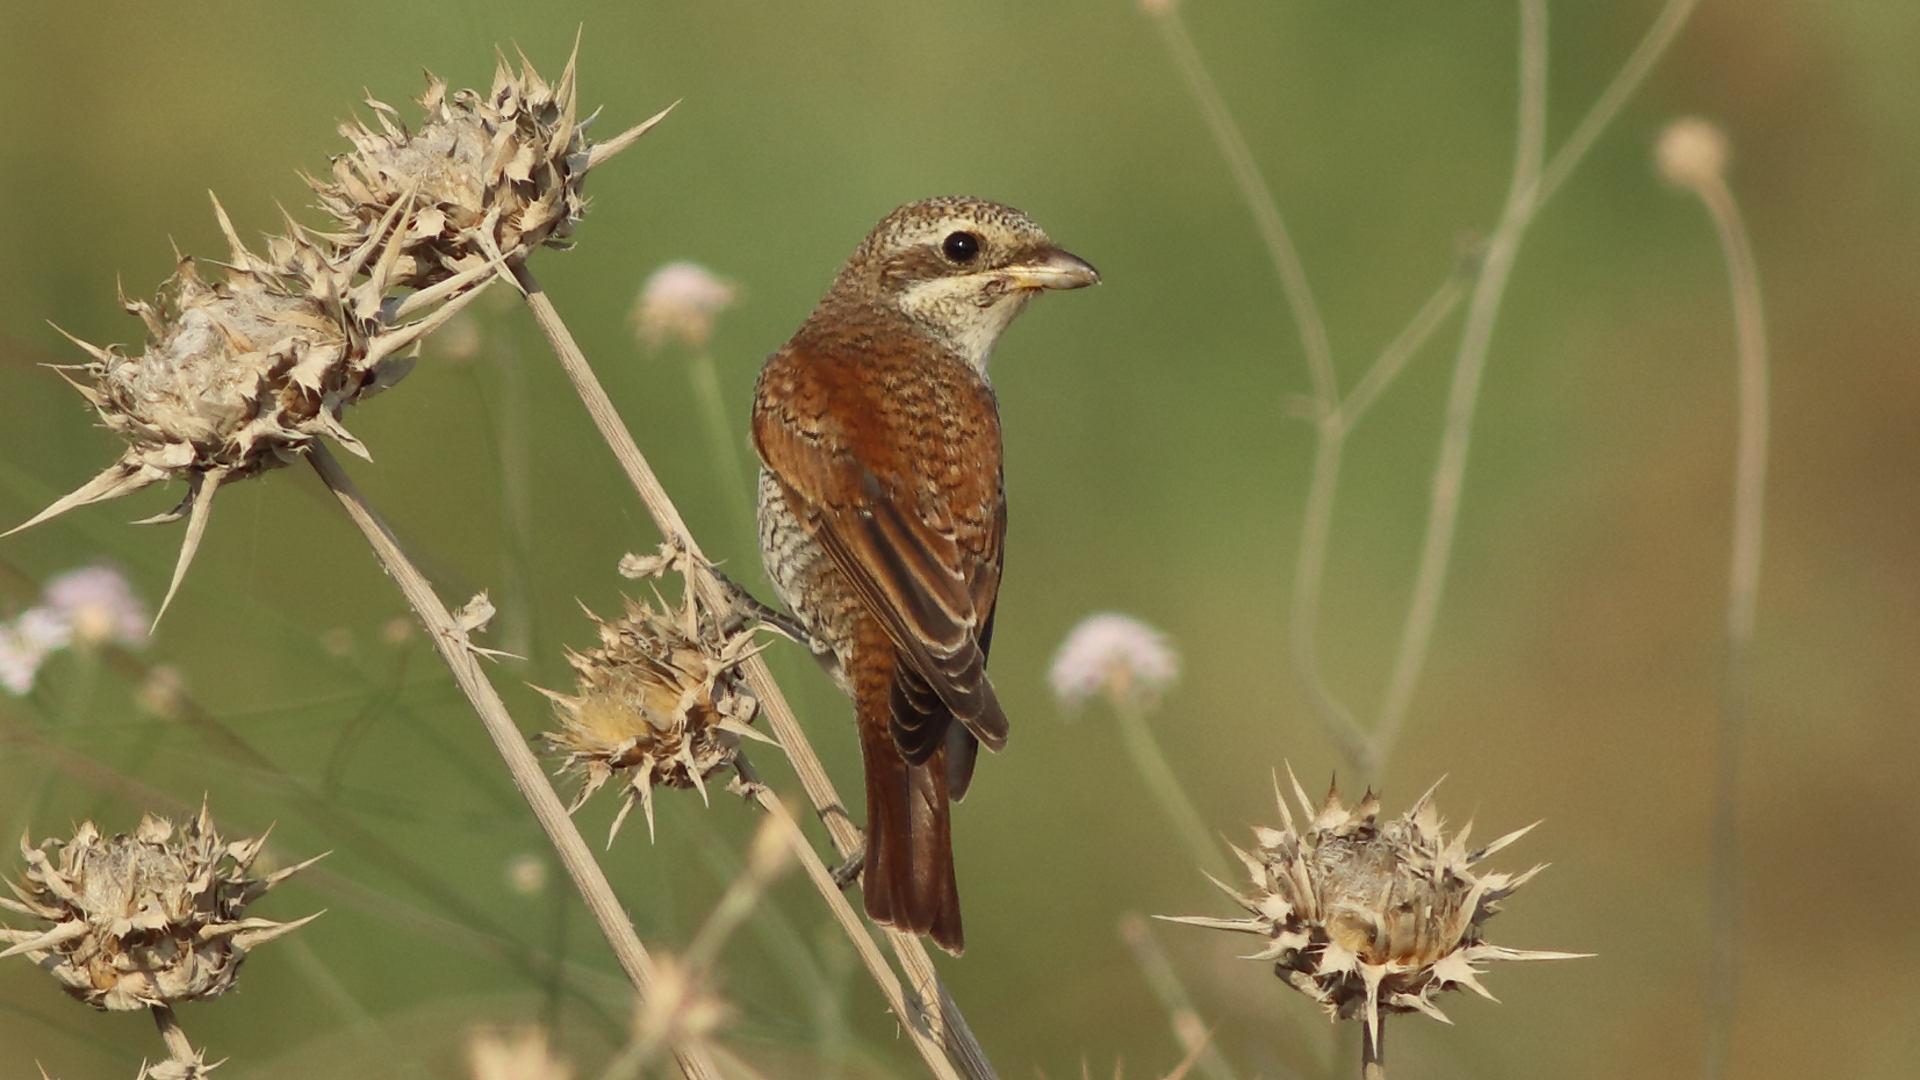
x=908 y=877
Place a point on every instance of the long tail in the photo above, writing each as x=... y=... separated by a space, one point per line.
x=908 y=877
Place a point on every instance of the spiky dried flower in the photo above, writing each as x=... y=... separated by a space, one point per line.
x=241 y=375
x=194 y=1067
x=1367 y=918
x=149 y=919
x=661 y=699
x=489 y=177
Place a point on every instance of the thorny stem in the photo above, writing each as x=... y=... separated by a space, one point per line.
x=1151 y=764
x=1373 y=1051
x=912 y=954
x=1743 y=586
x=1449 y=473
x=451 y=641
x=1259 y=199
x=178 y=1048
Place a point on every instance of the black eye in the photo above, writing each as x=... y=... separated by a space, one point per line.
x=961 y=247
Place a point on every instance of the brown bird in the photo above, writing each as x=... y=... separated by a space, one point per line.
x=882 y=514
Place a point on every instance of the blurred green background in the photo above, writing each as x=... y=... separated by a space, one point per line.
x=1152 y=467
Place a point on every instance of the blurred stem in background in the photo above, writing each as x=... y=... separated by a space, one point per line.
x=678 y=304
x=1692 y=154
x=1534 y=179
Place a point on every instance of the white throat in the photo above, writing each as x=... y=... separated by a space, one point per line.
x=969 y=311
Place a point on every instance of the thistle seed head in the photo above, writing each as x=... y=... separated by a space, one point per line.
x=154 y=918
x=489 y=177
x=1369 y=918
x=661 y=700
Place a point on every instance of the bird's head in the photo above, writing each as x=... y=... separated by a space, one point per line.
x=960 y=268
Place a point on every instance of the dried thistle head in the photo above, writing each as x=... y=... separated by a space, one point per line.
x=242 y=374
x=661 y=700
x=193 y=1067
x=1369 y=918
x=488 y=177
x=153 y=918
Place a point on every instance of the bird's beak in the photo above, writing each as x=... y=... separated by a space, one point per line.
x=1054 y=269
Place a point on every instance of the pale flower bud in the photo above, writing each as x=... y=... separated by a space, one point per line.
x=678 y=303
x=1115 y=655
x=99 y=606
x=1691 y=153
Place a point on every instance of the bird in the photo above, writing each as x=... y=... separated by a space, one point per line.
x=882 y=516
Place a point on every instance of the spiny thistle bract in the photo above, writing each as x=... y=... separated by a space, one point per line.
x=661 y=699
x=1367 y=918
x=154 y=918
x=491 y=176
x=241 y=375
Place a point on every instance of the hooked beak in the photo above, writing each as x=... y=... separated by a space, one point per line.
x=1054 y=269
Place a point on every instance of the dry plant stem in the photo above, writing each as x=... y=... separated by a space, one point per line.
x=451 y=641
x=1259 y=200
x=1151 y=764
x=1443 y=512
x=1666 y=26
x=178 y=1048
x=822 y=878
x=961 y=1045
x=1316 y=524
x=1743 y=586
x=1187 y=1026
x=1373 y=1053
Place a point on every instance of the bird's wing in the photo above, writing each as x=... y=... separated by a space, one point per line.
x=921 y=551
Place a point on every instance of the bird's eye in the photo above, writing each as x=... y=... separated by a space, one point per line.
x=961 y=247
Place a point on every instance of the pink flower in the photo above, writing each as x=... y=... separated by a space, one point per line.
x=98 y=606
x=679 y=302
x=1115 y=655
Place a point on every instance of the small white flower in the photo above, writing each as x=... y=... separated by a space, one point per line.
x=20 y=660
x=44 y=629
x=99 y=606
x=1115 y=655
x=679 y=302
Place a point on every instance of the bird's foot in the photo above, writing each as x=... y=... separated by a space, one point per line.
x=744 y=607
x=848 y=872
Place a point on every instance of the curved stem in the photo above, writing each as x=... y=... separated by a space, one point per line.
x=1743 y=586
x=1259 y=199
x=1443 y=513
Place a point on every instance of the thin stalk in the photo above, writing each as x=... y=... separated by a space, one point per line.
x=1743 y=587
x=451 y=641
x=178 y=1048
x=912 y=954
x=1188 y=1028
x=1470 y=364
x=1653 y=44
x=1259 y=199
x=1373 y=1051
x=1157 y=775
x=722 y=445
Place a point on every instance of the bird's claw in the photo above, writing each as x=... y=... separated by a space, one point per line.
x=744 y=607
x=848 y=872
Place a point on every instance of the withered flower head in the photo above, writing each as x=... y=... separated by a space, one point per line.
x=517 y=1053
x=154 y=918
x=240 y=375
x=1367 y=918
x=661 y=700
x=492 y=176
